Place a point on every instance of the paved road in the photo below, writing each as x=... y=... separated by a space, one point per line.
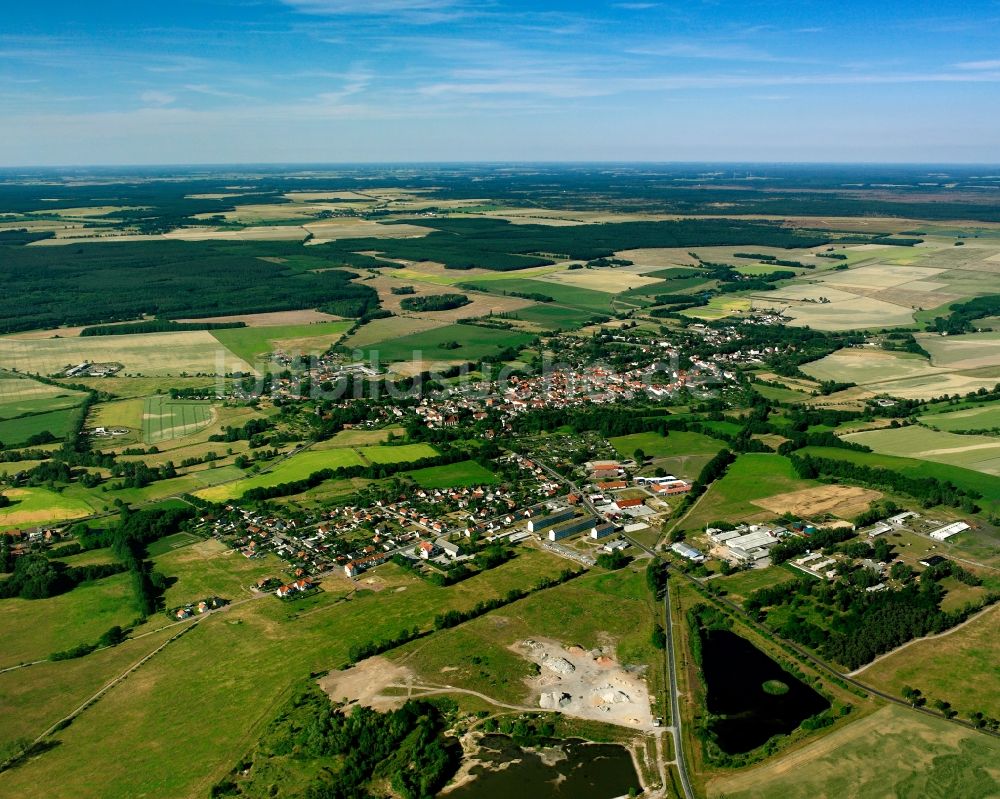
x=675 y=710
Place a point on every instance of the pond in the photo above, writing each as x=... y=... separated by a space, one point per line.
x=558 y=770
x=753 y=696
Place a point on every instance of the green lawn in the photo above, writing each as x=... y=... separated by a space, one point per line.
x=453 y=475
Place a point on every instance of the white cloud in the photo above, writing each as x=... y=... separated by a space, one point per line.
x=370 y=7
x=979 y=65
x=156 y=99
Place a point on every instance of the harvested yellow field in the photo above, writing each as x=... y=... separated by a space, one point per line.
x=191 y=352
x=658 y=257
x=272 y=319
x=349 y=228
x=394 y=327
x=838 y=500
x=970 y=351
x=611 y=281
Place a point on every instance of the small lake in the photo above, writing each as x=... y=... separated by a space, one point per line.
x=755 y=698
x=559 y=770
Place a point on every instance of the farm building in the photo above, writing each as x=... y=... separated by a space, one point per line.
x=602 y=530
x=569 y=528
x=545 y=522
x=685 y=551
x=750 y=546
x=949 y=530
x=879 y=529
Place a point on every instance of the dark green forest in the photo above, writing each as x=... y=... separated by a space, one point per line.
x=93 y=284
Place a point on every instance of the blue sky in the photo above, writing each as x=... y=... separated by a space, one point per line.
x=224 y=81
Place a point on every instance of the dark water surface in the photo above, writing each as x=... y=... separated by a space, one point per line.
x=578 y=769
x=735 y=672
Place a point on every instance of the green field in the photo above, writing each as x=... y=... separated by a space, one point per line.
x=209 y=568
x=17 y=431
x=20 y=395
x=258 y=651
x=987 y=485
x=297 y=467
x=979 y=453
x=585 y=299
x=35 y=628
x=475 y=343
x=895 y=752
x=972 y=651
x=120 y=413
x=742 y=584
x=981 y=416
x=865 y=367
x=550 y=316
x=590 y=612
x=780 y=394
x=151 y=354
x=359 y=437
x=401 y=453
x=752 y=476
x=250 y=342
x=15 y=408
x=453 y=475
x=164 y=419
x=35 y=506
x=675 y=444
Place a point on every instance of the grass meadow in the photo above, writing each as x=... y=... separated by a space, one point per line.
x=223 y=681
x=590 y=611
x=985 y=484
x=752 y=476
x=17 y=431
x=474 y=343
x=976 y=452
x=893 y=752
x=933 y=665
x=453 y=475
x=34 y=506
x=250 y=342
